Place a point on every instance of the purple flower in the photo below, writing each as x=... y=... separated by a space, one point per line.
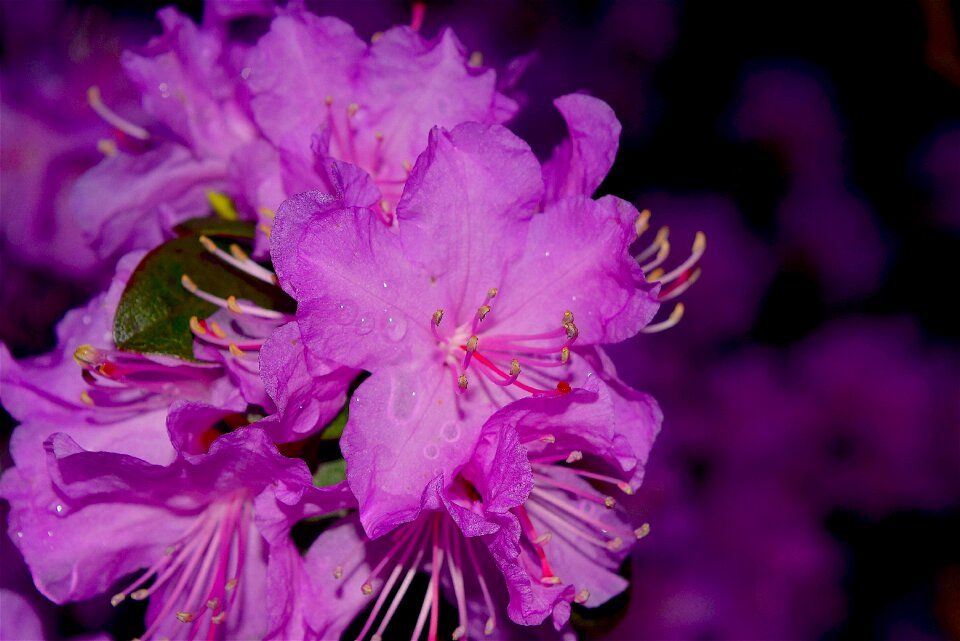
x=372 y=104
x=457 y=527
x=468 y=304
x=584 y=448
x=190 y=523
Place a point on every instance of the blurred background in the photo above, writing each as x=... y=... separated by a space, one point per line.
x=806 y=484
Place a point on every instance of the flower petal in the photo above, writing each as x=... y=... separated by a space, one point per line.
x=582 y=160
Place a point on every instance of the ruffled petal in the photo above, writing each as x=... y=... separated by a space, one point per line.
x=466 y=209
x=580 y=163
x=359 y=301
x=576 y=259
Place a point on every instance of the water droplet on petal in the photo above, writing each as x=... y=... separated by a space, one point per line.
x=396 y=328
x=451 y=432
x=431 y=451
x=365 y=326
x=346 y=312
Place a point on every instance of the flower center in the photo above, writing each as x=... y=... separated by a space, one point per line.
x=200 y=573
x=504 y=356
x=431 y=544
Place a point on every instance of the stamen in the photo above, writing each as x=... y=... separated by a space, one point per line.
x=462 y=382
x=582 y=596
x=671 y=321
x=471 y=347
x=574 y=456
x=662 y=235
x=642 y=223
x=476 y=59
x=681 y=285
x=642 y=531
x=699 y=247
x=230 y=302
x=237 y=258
x=96 y=102
x=107 y=147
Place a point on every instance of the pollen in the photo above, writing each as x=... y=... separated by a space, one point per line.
x=462 y=382
x=188 y=284
x=338 y=572
x=185 y=617
x=208 y=244
x=483 y=311
x=574 y=456
x=582 y=596
x=86 y=399
x=472 y=343
x=437 y=317
x=233 y=306
x=565 y=355
x=85 y=355
x=367 y=589
x=642 y=531
x=609 y=502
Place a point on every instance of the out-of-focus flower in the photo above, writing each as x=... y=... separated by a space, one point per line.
x=821 y=216
x=506 y=280
x=941 y=165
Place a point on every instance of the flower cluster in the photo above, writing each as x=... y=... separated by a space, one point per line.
x=385 y=258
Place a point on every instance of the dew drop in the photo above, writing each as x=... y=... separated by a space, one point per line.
x=451 y=432
x=365 y=326
x=431 y=451
x=59 y=508
x=396 y=328
x=19 y=534
x=384 y=284
x=164 y=90
x=49 y=533
x=547 y=254
x=245 y=73
x=346 y=312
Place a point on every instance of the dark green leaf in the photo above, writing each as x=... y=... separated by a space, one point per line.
x=334 y=429
x=330 y=473
x=216 y=226
x=154 y=312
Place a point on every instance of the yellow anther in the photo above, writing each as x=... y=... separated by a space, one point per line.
x=139 y=595
x=655 y=275
x=385 y=206
x=567 y=317
x=107 y=147
x=489 y=626
x=231 y=584
x=514 y=367
x=476 y=59
x=376 y=36
x=265 y=228
x=185 y=617
x=549 y=439
x=642 y=531
x=117 y=599
x=367 y=589
x=572 y=331
x=437 y=317
x=215 y=328
x=338 y=572
x=208 y=244
x=213 y=603
x=85 y=354
x=222 y=205
x=543 y=539
x=236 y=351
x=407 y=166
x=238 y=253
x=218 y=619
x=352 y=109
x=625 y=488
x=233 y=306
x=483 y=311
x=642 y=223
x=550 y=580
x=196 y=327
x=565 y=355
x=472 y=344
x=188 y=283
x=85 y=398
x=574 y=456
x=609 y=502
x=462 y=382
x=267 y=212
x=615 y=544
x=458 y=633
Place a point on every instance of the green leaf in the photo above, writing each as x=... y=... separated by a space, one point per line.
x=330 y=473
x=154 y=312
x=334 y=429
x=216 y=226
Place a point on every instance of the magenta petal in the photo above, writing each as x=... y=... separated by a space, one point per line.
x=576 y=259
x=360 y=302
x=308 y=392
x=466 y=208
x=318 y=56
x=388 y=474
x=580 y=163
